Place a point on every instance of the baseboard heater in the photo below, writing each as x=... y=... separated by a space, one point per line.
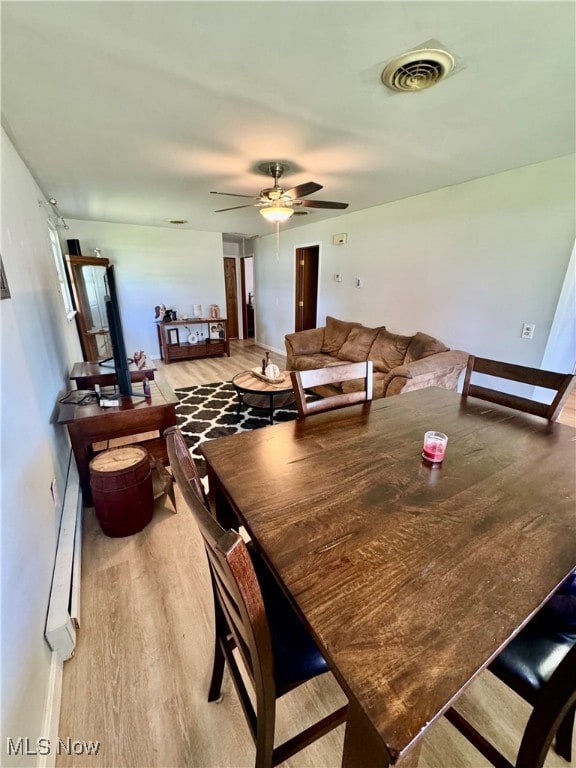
x=63 y=617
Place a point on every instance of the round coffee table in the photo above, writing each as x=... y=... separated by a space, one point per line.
x=258 y=393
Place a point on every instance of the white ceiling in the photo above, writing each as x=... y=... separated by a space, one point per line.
x=133 y=112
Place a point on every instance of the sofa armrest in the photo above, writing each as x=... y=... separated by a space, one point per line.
x=440 y=370
x=303 y=343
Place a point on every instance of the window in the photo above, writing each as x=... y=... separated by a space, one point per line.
x=61 y=272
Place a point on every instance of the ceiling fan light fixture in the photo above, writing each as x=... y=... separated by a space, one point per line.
x=276 y=213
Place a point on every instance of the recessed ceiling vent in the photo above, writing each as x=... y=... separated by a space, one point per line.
x=417 y=70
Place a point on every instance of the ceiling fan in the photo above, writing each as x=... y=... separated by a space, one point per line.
x=277 y=204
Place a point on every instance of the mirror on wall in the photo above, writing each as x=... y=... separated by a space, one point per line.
x=88 y=286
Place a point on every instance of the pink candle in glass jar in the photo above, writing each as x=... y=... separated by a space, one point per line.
x=434 y=448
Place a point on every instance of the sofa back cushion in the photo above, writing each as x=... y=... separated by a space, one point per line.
x=423 y=345
x=357 y=346
x=388 y=350
x=335 y=334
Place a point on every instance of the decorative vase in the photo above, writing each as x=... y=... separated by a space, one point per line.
x=272 y=371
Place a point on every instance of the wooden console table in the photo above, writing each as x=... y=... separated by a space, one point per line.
x=87 y=374
x=212 y=334
x=88 y=424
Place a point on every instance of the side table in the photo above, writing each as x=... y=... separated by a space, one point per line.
x=257 y=393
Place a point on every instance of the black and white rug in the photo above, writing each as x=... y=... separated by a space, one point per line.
x=208 y=411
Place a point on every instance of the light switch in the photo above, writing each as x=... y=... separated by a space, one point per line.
x=339 y=239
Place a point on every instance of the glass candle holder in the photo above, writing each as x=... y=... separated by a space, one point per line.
x=434 y=448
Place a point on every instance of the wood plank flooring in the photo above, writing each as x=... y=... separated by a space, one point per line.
x=139 y=679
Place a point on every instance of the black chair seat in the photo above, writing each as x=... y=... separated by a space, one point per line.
x=296 y=656
x=527 y=663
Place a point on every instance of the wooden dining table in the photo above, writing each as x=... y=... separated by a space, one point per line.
x=411 y=578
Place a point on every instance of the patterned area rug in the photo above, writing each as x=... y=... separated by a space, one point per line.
x=208 y=411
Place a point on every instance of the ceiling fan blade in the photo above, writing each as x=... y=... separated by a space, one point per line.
x=303 y=189
x=320 y=204
x=234 y=208
x=233 y=194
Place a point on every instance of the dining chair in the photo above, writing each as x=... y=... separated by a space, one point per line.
x=254 y=616
x=302 y=381
x=561 y=383
x=539 y=664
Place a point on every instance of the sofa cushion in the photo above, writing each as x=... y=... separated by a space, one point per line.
x=357 y=346
x=423 y=345
x=388 y=350
x=311 y=362
x=335 y=334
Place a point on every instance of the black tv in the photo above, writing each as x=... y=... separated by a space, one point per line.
x=121 y=362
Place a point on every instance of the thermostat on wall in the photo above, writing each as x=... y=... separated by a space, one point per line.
x=339 y=239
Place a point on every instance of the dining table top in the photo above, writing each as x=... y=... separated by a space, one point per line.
x=411 y=578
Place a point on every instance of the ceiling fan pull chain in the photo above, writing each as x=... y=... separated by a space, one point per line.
x=278 y=242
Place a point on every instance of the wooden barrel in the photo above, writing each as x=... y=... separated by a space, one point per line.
x=121 y=483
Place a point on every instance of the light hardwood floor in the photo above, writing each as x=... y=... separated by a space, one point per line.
x=139 y=679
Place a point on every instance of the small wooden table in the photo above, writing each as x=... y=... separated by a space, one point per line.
x=88 y=424
x=257 y=393
x=411 y=578
x=87 y=374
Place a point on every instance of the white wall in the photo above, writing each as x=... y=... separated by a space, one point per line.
x=38 y=347
x=156 y=265
x=468 y=264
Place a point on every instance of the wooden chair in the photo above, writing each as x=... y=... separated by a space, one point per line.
x=562 y=383
x=540 y=666
x=332 y=374
x=252 y=615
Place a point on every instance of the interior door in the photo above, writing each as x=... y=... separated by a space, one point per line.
x=231 y=286
x=306 y=290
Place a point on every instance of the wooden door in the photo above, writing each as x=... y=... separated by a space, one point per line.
x=306 y=291
x=231 y=286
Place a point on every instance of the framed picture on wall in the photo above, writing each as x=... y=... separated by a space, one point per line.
x=4 y=290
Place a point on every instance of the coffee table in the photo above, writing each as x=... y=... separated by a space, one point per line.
x=258 y=393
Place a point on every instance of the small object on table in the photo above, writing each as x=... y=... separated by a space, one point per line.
x=146 y=387
x=434 y=448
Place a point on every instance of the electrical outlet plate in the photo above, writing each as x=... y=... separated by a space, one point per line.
x=528 y=331
x=339 y=239
x=338 y=277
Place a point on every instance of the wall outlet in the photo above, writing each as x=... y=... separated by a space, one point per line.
x=338 y=277
x=339 y=239
x=528 y=331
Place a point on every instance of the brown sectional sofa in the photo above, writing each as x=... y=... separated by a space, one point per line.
x=400 y=363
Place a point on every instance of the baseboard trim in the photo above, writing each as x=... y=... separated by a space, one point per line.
x=51 y=720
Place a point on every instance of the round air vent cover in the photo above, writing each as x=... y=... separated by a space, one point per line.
x=417 y=70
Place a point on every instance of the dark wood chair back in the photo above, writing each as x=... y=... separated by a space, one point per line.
x=540 y=666
x=241 y=621
x=561 y=383
x=332 y=374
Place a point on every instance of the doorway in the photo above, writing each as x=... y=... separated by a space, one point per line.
x=231 y=287
x=247 y=290
x=306 y=289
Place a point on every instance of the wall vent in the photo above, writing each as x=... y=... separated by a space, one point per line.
x=417 y=70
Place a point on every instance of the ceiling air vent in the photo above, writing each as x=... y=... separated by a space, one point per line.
x=417 y=70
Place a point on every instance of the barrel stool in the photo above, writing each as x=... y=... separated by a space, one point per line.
x=121 y=482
